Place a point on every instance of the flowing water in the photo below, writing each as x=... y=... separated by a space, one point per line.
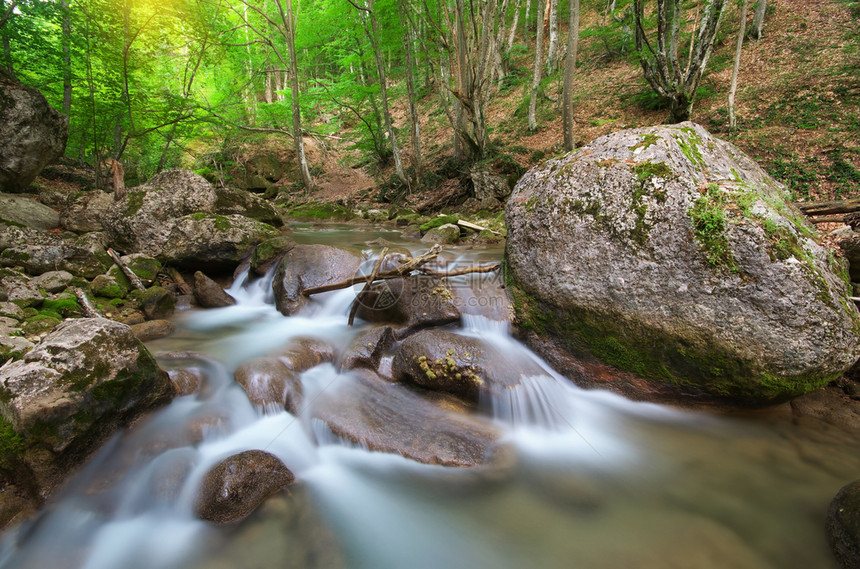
x=596 y=481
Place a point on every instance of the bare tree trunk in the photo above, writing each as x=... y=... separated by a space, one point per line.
x=664 y=71
x=286 y=12
x=513 y=34
x=250 y=100
x=268 y=94
x=758 y=20
x=569 y=74
x=552 y=50
x=742 y=26
x=526 y=19
x=536 y=79
x=386 y=114
x=408 y=47
x=464 y=85
x=67 y=58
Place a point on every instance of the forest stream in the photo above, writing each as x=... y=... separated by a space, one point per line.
x=594 y=481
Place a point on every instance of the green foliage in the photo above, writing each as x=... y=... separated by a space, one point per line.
x=439 y=222
x=709 y=227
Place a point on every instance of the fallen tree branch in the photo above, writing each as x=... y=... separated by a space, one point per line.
x=181 y=284
x=133 y=278
x=87 y=307
x=829 y=207
x=360 y=296
x=458 y=272
x=402 y=270
x=475 y=226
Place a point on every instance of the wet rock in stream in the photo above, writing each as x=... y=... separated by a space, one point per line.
x=431 y=428
x=308 y=266
x=237 y=485
x=409 y=304
x=270 y=384
x=464 y=366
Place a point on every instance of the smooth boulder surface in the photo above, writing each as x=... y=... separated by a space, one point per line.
x=213 y=242
x=32 y=134
x=461 y=365
x=367 y=348
x=237 y=485
x=142 y=221
x=27 y=212
x=669 y=253
x=409 y=304
x=843 y=526
x=308 y=266
x=368 y=411
x=82 y=382
x=210 y=294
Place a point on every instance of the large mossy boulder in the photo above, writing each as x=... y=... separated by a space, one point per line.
x=21 y=210
x=669 y=253
x=32 y=134
x=309 y=266
x=142 y=221
x=82 y=382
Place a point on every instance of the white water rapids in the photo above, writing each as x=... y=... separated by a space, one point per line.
x=597 y=481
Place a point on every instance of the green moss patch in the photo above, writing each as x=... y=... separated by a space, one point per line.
x=709 y=227
x=135 y=202
x=439 y=222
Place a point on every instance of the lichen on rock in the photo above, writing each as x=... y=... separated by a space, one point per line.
x=669 y=253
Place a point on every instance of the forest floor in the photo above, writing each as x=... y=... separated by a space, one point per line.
x=798 y=107
x=798 y=104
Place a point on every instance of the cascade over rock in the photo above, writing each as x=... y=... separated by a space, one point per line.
x=309 y=266
x=669 y=253
x=32 y=134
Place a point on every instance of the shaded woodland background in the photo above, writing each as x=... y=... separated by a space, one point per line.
x=398 y=97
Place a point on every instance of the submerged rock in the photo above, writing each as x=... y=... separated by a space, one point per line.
x=669 y=253
x=386 y=417
x=270 y=384
x=237 y=485
x=843 y=526
x=301 y=354
x=308 y=266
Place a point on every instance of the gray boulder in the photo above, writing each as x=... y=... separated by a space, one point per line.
x=85 y=213
x=409 y=304
x=82 y=382
x=237 y=485
x=843 y=526
x=85 y=257
x=210 y=294
x=142 y=221
x=491 y=190
x=212 y=242
x=461 y=365
x=383 y=417
x=308 y=266
x=230 y=201
x=669 y=253
x=444 y=234
x=25 y=211
x=32 y=134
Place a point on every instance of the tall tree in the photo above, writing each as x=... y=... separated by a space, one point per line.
x=373 y=34
x=536 y=78
x=569 y=73
x=672 y=78
x=409 y=52
x=758 y=20
x=742 y=24
x=551 y=23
